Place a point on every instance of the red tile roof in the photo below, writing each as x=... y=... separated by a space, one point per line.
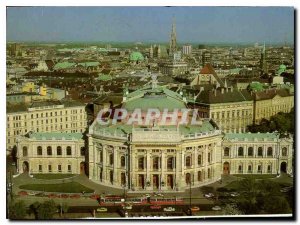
x=207 y=69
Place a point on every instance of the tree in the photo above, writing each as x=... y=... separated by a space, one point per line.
x=46 y=210
x=17 y=211
x=231 y=210
x=276 y=205
x=34 y=208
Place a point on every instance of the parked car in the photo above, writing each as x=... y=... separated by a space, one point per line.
x=155 y=207
x=195 y=209
x=102 y=209
x=216 y=208
x=127 y=206
x=209 y=195
x=234 y=194
x=169 y=209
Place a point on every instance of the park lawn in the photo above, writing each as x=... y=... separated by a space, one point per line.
x=52 y=176
x=256 y=176
x=69 y=187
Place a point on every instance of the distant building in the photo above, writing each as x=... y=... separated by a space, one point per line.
x=173 y=68
x=173 y=41
x=187 y=49
x=206 y=58
x=269 y=102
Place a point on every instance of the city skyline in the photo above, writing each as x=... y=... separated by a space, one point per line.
x=272 y=25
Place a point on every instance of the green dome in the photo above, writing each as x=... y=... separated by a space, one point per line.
x=282 y=68
x=136 y=56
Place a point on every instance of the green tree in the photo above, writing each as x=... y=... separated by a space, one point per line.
x=276 y=205
x=231 y=210
x=17 y=211
x=46 y=210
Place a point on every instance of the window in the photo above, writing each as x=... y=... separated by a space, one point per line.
x=249 y=168
x=250 y=151
x=49 y=150
x=260 y=151
x=284 y=151
x=111 y=159
x=49 y=168
x=58 y=150
x=25 y=151
x=259 y=168
x=155 y=163
x=59 y=168
x=69 y=150
x=39 y=150
x=141 y=163
x=122 y=161
x=170 y=163
x=199 y=176
x=240 y=151
x=199 y=159
x=188 y=178
x=123 y=178
x=69 y=168
x=208 y=173
x=82 y=151
x=101 y=156
x=270 y=151
x=188 y=161
x=226 y=151
x=40 y=168
x=240 y=169
x=269 y=168
x=208 y=157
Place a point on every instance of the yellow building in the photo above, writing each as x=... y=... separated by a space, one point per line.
x=52 y=152
x=44 y=116
x=269 y=102
x=257 y=153
x=231 y=109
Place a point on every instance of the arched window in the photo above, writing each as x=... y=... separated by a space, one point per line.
x=58 y=150
x=49 y=150
x=199 y=176
x=188 y=178
x=111 y=159
x=250 y=151
x=170 y=163
x=141 y=163
x=226 y=151
x=122 y=161
x=269 y=168
x=188 y=161
x=260 y=151
x=259 y=169
x=39 y=150
x=69 y=150
x=155 y=163
x=240 y=169
x=240 y=151
x=249 y=168
x=284 y=151
x=199 y=159
x=123 y=178
x=270 y=151
x=25 y=151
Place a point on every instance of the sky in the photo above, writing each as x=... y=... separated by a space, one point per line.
x=151 y=24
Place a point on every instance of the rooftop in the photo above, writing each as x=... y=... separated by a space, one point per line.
x=55 y=136
x=251 y=136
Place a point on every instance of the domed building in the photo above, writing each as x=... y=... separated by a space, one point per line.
x=136 y=57
x=158 y=155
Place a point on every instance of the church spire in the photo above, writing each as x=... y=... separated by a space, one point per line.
x=173 y=47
